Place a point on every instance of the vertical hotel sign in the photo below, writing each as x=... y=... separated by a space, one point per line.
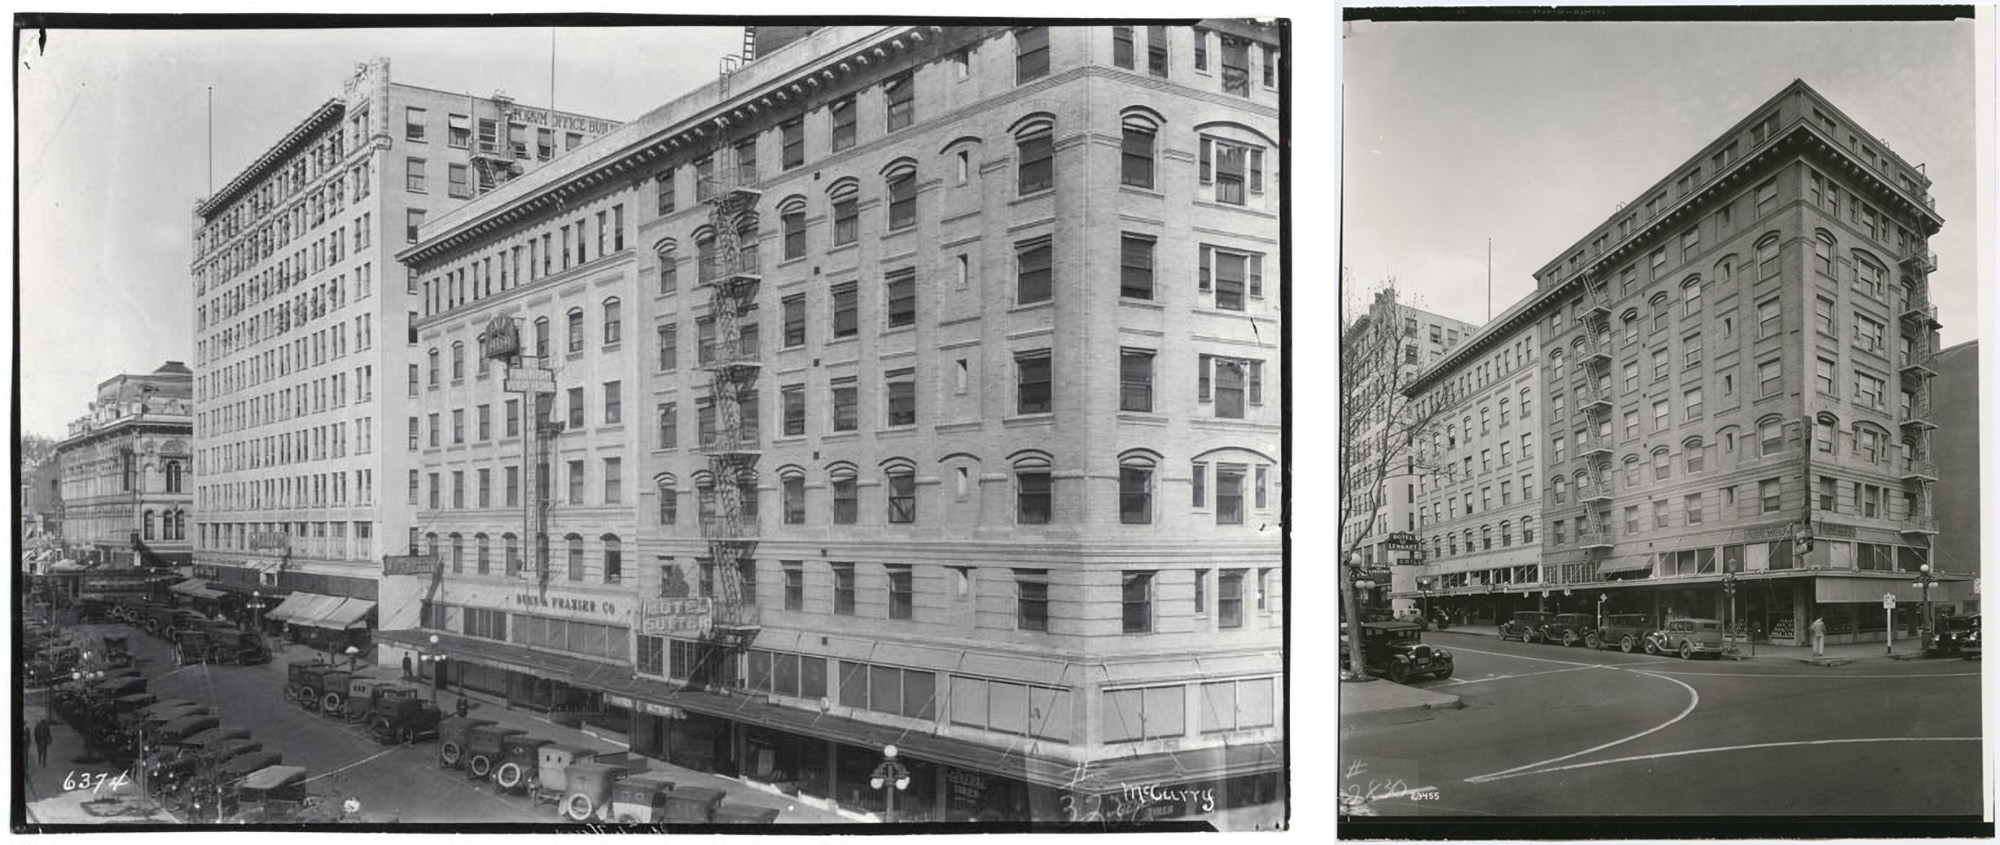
x=674 y=616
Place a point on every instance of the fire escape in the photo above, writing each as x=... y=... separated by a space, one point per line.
x=493 y=157
x=1918 y=365
x=1593 y=399
x=730 y=270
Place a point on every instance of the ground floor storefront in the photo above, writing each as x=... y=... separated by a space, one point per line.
x=829 y=760
x=324 y=612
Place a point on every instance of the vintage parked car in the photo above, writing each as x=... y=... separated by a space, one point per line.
x=1953 y=635
x=590 y=784
x=274 y=793
x=1525 y=625
x=519 y=755
x=483 y=745
x=401 y=718
x=322 y=683
x=641 y=798
x=453 y=732
x=1687 y=638
x=1627 y=631
x=1568 y=628
x=1397 y=650
x=745 y=814
x=295 y=675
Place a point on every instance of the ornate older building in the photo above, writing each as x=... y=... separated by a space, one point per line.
x=127 y=479
x=909 y=385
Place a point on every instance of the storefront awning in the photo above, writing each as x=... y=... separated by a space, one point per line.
x=1637 y=563
x=338 y=614
x=298 y=606
x=935 y=745
x=196 y=588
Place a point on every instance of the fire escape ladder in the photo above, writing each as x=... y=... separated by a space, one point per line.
x=733 y=448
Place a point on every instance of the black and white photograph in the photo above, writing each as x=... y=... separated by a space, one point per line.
x=489 y=424
x=1659 y=443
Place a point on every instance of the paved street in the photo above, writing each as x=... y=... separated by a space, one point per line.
x=399 y=782
x=1551 y=731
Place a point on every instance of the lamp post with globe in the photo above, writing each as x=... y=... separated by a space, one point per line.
x=436 y=658
x=1925 y=580
x=890 y=777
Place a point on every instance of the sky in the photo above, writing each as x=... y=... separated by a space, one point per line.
x=113 y=154
x=1531 y=133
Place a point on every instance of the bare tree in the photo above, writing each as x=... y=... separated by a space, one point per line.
x=1380 y=427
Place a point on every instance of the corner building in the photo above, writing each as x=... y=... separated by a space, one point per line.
x=125 y=474
x=1738 y=372
x=300 y=322
x=923 y=391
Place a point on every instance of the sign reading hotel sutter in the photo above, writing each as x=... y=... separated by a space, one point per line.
x=674 y=615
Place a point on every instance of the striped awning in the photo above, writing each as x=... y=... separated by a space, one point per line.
x=1625 y=564
x=298 y=606
x=338 y=614
x=195 y=587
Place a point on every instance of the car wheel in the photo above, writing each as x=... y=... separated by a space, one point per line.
x=1592 y=641
x=1569 y=639
x=1625 y=645
x=509 y=775
x=330 y=705
x=1687 y=650
x=1444 y=673
x=577 y=807
x=1652 y=646
x=407 y=735
x=1503 y=633
x=1399 y=672
x=480 y=766
x=450 y=753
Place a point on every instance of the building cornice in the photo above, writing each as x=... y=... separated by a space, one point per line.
x=328 y=113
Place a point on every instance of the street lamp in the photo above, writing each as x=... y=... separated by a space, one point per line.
x=887 y=774
x=352 y=653
x=1729 y=591
x=1424 y=587
x=436 y=659
x=87 y=672
x=1925 y=578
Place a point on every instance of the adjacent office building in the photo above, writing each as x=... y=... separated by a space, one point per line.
x=127 y=481
x=909 y=385
x=1738 y=371
x=301 y=320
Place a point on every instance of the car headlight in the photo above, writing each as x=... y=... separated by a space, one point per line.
x=1444 y=654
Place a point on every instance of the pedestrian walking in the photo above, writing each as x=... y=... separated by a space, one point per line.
x=406 y=664
x=42 y=739
x=1819 y=637
x=27 y=740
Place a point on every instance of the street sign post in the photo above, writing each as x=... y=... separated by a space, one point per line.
x=1889 y=616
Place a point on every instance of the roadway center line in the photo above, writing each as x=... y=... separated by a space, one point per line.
x=1516 y=774
x=1694 y=698
x=1525 y=674
x=1810 y=674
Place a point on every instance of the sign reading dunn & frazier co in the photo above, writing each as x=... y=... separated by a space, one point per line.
x=574 y=605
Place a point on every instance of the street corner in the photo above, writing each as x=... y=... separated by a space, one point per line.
x=1827 y=662
x=1378 y=702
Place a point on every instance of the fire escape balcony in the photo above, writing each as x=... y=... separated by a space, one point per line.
x=732 y=362
x=1598 y=493
x=1594 y=399
x=1920 y=471
x=1596 y=350
x=1920 y=261
x=1920 y=315
x=1918 y=417
x=1918 y=366
x=741 y=444
x=717 y=525
x=1594 y=448
x=1919 y=525
x=1594 y=540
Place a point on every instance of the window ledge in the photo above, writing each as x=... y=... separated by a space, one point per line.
x=1020 y=420
x=840 y=437
x=1148 y=304
x=1043 y=305
x=897 y=330
x=897 y=431
x=1141 y=417
x=1031 y=197
x=785 y=440
x=837 y=248
x=612 y=346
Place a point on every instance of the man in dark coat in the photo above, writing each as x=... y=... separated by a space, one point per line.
x=42 y=739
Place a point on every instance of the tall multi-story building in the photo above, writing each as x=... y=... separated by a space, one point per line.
x=127 y=481
x=1738 y=372
x=1408 y=338
x=301 y=318
x=1474 y=479
x=883 y=519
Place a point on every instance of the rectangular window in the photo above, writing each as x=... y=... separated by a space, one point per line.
x=1121 y=47
x=1031 y=53
x=1767 y=494
x=1135 y=495
x=793 y=400
x=901 y=95
x=1031 y=590
x=459 y=183
x=845 y=322
x=793 y=133
x=1037 y=161
x=669 y=346
x=1229 y=599
x=902 y=597
x=902 y=298
x=613 y=402
x=1034 y=382
x=664 y=192
x=1034 y=495
x=1137 y=600
x=1034 y=271
x=901 y=387
x=842 y=112
x=413 y=124
x=795 y=585
x=845 y=404
x=669 y=433
x=1156 y=53
x=843 y=588
x=1229 y=494
x=1135 y=380
x=1136 y=157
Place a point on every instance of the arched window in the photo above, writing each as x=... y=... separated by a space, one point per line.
x=901 y=180
x=1770 y=436
x=431 y=543
x=746 y=243
x=575 y=330
x=1630 y=319
x=1559 y=489
x=575 y=547
x=792 y=226
x=846 y=198
x=613 y=321
x=1823 y=246
x=146 y=526
x=669 y=501
x=1583 y=480
x=511 y=549
x=1141 y=127
x=846 y=504
x=435 y=366
x=542 y=337
x=457 y=553
x=1825 y=428
x=902 y=481
x=1135 y=488
x=614 y=559
x=1695 y=454
x=173 y=476
x=663 y=253
x=458 y=360
x=792 y=494
x=1663 y=467
x=1034 y=491
x=1691 y=296
x=1631 y=472
x=1034 y=143
x=1767 y=256
x=1506 y=533
x=482 y=554
x=1725 y=269
x=1659 y=303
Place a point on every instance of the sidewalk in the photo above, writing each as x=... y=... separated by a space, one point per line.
x=103 y=801
x=1382 y=700
x=1906 y=648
